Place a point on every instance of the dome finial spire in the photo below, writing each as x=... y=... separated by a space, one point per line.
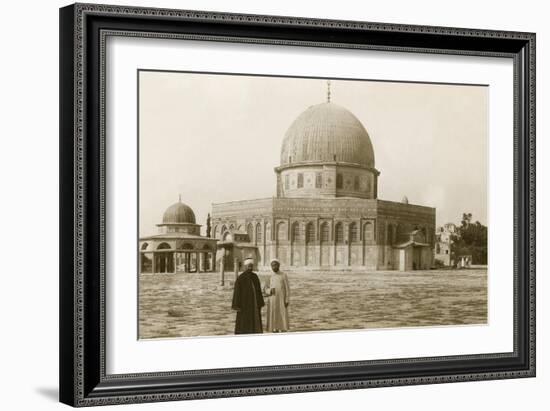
x=179 y=198
x=328 y=91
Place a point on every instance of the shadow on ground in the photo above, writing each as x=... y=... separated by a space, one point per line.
x=51 y=393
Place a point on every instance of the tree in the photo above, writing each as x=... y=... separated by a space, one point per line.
x=470 y=239
x=208 y=225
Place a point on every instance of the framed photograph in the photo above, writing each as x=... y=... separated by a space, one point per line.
x=262 y=204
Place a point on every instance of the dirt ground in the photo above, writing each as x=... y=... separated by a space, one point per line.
x=184 y=305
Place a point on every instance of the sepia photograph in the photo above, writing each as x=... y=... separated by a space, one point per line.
x=271 y=204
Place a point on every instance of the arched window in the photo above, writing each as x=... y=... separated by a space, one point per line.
x=232 y=226
x=296 y=234
x=318 y=180
x=206 y=247
x=187 y=246
x=258 y=237
x=224 y=229
x=368 y=231
x=215 y=232
x=282 y=233
x=339 y=180
x=339 y=232
x=250 y=232
x=310 y=232
x=353 y=233
x=144 y=246
x=325 y=232
x=163 y=246
x=300 y=180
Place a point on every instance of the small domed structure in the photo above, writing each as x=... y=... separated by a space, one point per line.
x=327 y=132
x=179 y=218
x=178 y=247
x=405 y=200
x=178 y=213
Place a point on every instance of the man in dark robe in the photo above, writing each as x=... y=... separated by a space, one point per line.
x=248 y=301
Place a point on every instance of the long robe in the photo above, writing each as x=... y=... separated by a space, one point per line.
x=277 y=310
x=248 y=301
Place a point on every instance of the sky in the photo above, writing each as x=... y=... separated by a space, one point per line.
x=213 y=138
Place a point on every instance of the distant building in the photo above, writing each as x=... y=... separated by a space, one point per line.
x=179 y=247
x=326 y=213
x=464 y=261
x=443 y=241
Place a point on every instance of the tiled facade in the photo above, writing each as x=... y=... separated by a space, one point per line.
x=327 y=232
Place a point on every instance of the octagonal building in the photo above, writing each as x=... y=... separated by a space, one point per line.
x=326 y=214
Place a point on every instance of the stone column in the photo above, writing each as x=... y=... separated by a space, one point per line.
x=198 y=261
x=348 y=237
x=333 y=237
x=304 y=247
x=362 y=238
x=320 y=245
x=289 y=230
x=154 y=265
x=264 y=242
x=203 y=262
x=273 y=249
x=213 y=261
x=222 y=268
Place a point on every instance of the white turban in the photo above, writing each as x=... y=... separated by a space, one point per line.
x=275 y=260
x=248 y=261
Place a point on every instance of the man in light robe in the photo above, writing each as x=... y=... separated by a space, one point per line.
x=248 y=301
x=278 y=291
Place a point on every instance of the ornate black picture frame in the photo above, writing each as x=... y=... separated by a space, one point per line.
x=83 y=30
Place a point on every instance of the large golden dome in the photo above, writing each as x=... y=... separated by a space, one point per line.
x=327 y=132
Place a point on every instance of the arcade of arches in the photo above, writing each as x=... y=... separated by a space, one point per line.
x=327 y=242
x=187 y=259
